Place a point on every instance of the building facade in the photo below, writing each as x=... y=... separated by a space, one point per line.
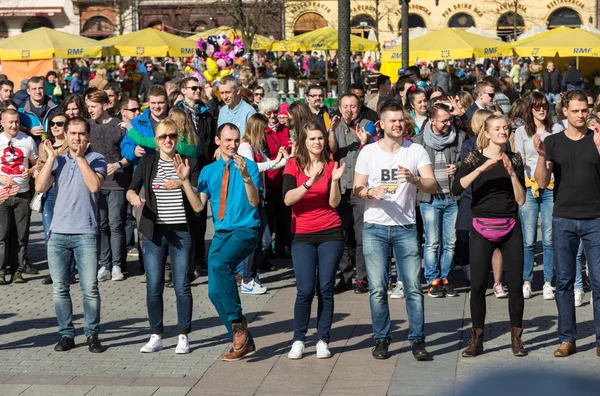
x=101 y=19
x=18 y=16
x=494 y=16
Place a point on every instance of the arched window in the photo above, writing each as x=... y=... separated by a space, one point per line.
x=414 y=21
x=36 y=22
x=563 y=17
x=505 y=28
x=362 y=24
x=158 y=25
x=98 y=27
x=309 y=22
x=461 y=20
x=199 y=26
x=3 y=29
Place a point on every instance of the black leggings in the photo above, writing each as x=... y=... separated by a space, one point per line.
x=481 y=251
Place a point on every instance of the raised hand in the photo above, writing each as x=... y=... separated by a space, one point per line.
x=240 y=163
x=217 y=154
x=182 y=169
x=338 y=171
x=335 y=121
x=361 y=134
x=540 y=146
x=316 y=172
x=136 y=201
x=279 y=155
x=51 y=153
x=284 y=152
x=37 y=130
x=83 y=147
x=405 y=175
x=489 y=164
x=293 y=146
x=508 y=165
x=596 y=129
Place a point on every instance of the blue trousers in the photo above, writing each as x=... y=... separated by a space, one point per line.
x=227 y=250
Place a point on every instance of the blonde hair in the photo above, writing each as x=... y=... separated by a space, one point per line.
x=465 y=99
x=478 y=119
x=101 y=73
x=482 y=140
x=184 y=125
x=164 y=125
x=255 y=132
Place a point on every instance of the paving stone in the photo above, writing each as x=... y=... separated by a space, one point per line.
x=102 y=390
x=57 y=390
x=12 y=389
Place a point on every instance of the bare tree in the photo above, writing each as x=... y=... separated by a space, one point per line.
x=251 y=16
x=377 y=9
x=125 y=14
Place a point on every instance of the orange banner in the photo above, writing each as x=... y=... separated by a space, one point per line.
x=18 y=70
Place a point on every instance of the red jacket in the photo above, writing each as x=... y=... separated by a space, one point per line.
x=275 y=140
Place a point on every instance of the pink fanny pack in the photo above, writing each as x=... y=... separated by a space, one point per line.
x=493 y=229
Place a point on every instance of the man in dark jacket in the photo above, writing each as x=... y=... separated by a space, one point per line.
x=552 y=81
x=441 y=78
x=573 y=79
x=152 y=77
x=356 y=71
x=38 y=110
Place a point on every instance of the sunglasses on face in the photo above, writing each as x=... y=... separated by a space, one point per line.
x=540 y=107
x=491 y=95
x=194 y=88
x=57 y=123
x=134 y=110
x=259 y=94
x=171 y=136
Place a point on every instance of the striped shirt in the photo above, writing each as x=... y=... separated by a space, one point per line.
x=169 y=203
x=441 y=175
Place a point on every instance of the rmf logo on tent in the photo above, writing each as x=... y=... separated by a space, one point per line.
x=582 y=51
x=318 y=45
x=490 y=51
x=74 y=51
x=188 y=51
x=25 y=54
x=396 y=55
x=139 y=50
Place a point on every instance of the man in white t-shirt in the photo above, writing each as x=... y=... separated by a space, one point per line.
x=387 y=175
x=18 y=155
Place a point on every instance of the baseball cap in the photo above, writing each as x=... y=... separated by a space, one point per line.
x=401 y=71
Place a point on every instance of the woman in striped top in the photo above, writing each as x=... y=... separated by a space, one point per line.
x=166 y=224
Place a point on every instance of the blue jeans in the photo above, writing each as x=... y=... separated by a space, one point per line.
x=252 y=263
x=439 y=222
x=579 y=268
x=175 y=241
x=62 y=248
x=378 y=241
x=553 y=98
x=47 y=215
x=529 y=212
x=315 y=265
x=566 y=235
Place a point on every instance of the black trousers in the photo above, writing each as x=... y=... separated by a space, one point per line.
x=482 y=250
x=279 y=216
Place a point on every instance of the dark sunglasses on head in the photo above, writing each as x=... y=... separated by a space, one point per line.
x=194 y=88
x=539 y=107
x=57 y=123
x=134 y=110
x=171 y=136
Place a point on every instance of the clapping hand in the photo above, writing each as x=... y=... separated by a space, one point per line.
x=84 y=145
x=405 y=175
x=182 y=169
x=240 y=164
x=335 y=121
x=49 y=150
x=489 y=164
x=316 y=172
x=361 y=134
x=338 y=171
x=540 y=146
x=508 y=165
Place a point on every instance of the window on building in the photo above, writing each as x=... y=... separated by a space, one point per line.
x=564 y=17
x=505 y=28
x=36 y=22
x=414 y=21
x=98 y=27
x=461 y=20
x=309 y=22
x=199 y=26
x=361 y=24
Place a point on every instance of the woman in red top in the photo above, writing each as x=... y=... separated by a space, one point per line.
x=311 y=188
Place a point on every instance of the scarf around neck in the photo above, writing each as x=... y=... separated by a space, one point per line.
x=438 y=142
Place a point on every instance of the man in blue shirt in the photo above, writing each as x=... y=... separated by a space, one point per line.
x=232 y=183
x=235 y=111
x=78 y=176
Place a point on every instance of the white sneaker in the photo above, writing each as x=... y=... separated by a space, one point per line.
x=154 y=345
x=297 y=350
x=526 y=290
x=323 y=350
x=579 y=294
x=183 y=345
x=117 y=274
x=398 y=291
x=103 y=274
x=591 y=300
x=253 y=287
x=548 y=293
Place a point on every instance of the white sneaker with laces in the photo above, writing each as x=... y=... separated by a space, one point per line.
x=297 y=350
x=579 y=294
x=398 y=291
x=548 y=293
x=499 y=291
x=183 y=345
x=103 y=274
x=323 y=350
x=526 y=290
x=154 y=345
x=117 y=274
x=253 y=287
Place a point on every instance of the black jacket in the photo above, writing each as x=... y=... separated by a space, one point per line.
x=143 y=176
x=552 y=81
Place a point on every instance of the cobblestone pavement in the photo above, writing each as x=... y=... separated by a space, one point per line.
x=29 y=365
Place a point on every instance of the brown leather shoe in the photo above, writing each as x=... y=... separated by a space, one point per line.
x=518 y=349
x=240 y=334
x=475 y=344
x=235 y=355
x=598 y=351
x=238 y=279
x=565 y=349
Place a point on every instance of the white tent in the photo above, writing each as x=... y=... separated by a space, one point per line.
x=590 y=29
x=481 y=32
x=532 y=32
x=413 y=33
x=373 y=54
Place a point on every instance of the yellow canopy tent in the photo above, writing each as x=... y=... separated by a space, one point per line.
x=323 y=39
x=44 y=43
x=562 y=41
x=260 y=43
x=151 y=42
x=444 y=44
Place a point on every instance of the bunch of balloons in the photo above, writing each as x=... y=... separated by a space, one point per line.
x=219 y=56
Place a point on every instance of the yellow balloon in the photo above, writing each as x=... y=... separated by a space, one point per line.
x=211 y=66
x=209 y=77
x=223 y=73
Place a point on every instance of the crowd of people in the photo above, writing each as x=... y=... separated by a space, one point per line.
x=398 y=174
